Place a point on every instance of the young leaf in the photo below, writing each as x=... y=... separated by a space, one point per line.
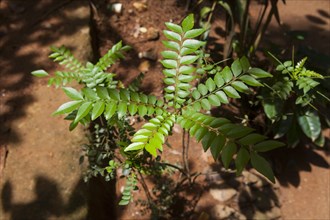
x=72 y=93
x=262 y=166
x=227 y=153
x=39 y=73
x=135 y=146
x=188 y=23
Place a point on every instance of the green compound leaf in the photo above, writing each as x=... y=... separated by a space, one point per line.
x=72 y=93
x=310 y=124
x=83 y=111
x=262 y=166
x=67 y=107
x=188 y=23
x=39 y=73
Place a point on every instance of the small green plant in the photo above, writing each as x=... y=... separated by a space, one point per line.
x=246 y=40
x=192 y=88
x=291 y=103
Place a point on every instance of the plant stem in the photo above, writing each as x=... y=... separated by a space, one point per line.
x=146 y=190
x=185 y=157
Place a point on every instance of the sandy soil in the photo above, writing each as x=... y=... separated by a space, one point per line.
x=41 y=178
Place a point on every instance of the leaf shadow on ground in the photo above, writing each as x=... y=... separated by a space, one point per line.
x=26 y=29
x=288 y=163
x=48 y=202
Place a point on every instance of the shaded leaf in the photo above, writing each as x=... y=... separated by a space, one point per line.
x=227 y=153
x=262 y=166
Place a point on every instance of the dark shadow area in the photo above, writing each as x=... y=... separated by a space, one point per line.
x=101 y=199
x=316 y=20
x=48 y=202
x=172 y=198
x=324 y=13
x=26 y=29
x=288 y=163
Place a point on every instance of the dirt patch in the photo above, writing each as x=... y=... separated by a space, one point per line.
x=42 y=178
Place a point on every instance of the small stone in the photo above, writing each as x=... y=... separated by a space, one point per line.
x=140 y=6
x=152 y=34
x=275 y=213
x=117 y=8
x=222 y=211
x=144 y=66
x=223 y=195
x=143 y=30
x=149 y=54
x=250 y=177
x=177 y=129
x=260 y=215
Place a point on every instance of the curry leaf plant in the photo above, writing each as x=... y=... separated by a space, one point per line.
x=186 y=101
x=291 y=103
